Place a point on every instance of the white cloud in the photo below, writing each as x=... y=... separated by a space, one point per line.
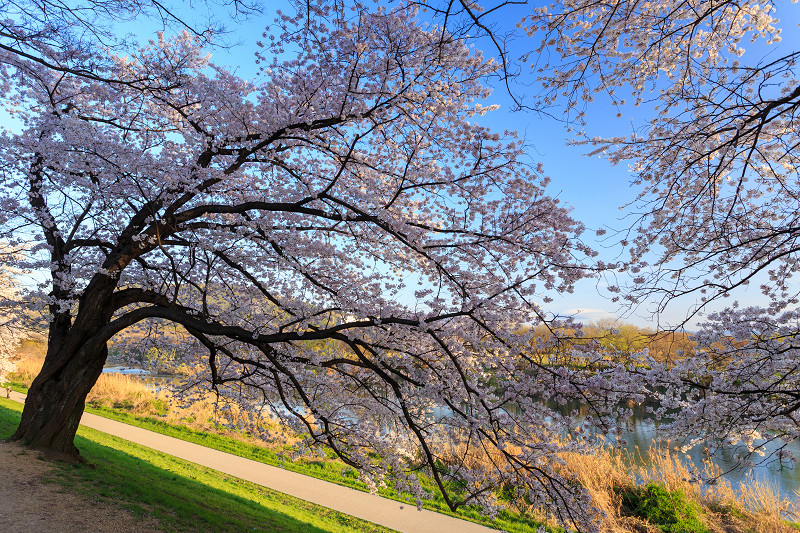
x=590 y=314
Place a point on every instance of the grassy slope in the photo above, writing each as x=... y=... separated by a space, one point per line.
x=328 y=469
x=335 y=471
x=182 y=495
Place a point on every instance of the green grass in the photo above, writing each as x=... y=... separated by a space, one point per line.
x=671 y=512
x=328 y=469
x=184 y=496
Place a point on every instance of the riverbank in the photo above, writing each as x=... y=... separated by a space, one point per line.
x=611 y=479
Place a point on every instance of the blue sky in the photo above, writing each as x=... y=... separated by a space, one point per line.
x=594 y=189
x=591 y=186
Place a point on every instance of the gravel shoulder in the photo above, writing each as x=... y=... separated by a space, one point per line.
x=29 y=502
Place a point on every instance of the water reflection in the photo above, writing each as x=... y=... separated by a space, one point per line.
x=152 y=380
x=642 y=434
x=641 y=438
x=127 y=370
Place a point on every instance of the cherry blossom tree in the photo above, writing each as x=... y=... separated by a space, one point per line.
x=714 y=96
x=717 y=165
x=8 y=341
x=10 y=331
x=741 y=387
x=341 y=241
x=718 y=159
x=710 y=94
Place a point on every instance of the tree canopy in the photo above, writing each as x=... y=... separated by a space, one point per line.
x=344 y=244
x=714 y=155
x=266 y=216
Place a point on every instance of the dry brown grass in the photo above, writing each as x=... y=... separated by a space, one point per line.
x=208 y=413
x=125 y=391
x=756 y=508
x=27 y=368
x=136 y=396
x=603 y=474
x=110 y=389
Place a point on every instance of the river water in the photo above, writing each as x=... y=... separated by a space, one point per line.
x=642 y=436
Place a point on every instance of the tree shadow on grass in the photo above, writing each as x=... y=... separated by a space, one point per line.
x=183 y=495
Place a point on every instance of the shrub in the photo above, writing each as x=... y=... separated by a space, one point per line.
x=672 y=512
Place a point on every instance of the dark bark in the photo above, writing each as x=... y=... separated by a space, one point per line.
x=75 y=358
x=56 y=402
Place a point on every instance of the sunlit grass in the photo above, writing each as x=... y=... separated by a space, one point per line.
x=181 y=495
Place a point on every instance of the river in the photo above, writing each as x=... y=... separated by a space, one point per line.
x=642 y=434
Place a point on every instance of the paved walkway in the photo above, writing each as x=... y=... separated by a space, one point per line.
x=396 y=515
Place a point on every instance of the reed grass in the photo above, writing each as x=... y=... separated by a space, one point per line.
x=113 y=390
x=27 y=368
x=755 y=507
x=136 y=396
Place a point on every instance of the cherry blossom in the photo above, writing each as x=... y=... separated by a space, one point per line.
x=270 y=233
x=712 y=97
x=10 y=328
x=710 y=94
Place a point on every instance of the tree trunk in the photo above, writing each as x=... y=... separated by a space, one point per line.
x=75 y=358
x=57 y=398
